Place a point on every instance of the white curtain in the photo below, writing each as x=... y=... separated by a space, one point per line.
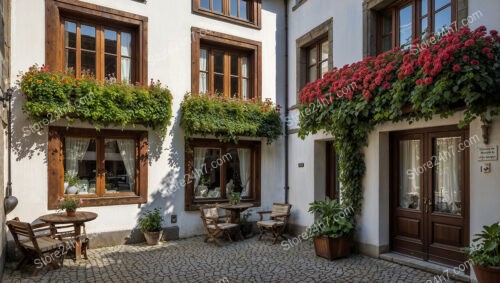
x=75 y=151
x=199 y=159
x=126 y=62
x=126 y=51
x=244 y=155
x=127 y=152
x=448 y=175
x=244 y=81
x=203 y=69
x=409 y=181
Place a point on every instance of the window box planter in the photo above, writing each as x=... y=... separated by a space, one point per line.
x=228 y=119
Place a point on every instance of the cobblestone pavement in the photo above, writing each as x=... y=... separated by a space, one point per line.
x=192 y=260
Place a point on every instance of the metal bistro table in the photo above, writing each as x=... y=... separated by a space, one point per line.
x=78 y=221
x=236 y=210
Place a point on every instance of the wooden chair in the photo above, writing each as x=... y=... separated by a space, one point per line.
x=66 y=232
x=213 y=227
x=35 y=242
x=277 y=222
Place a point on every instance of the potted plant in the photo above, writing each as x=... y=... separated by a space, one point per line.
x=150 y=225
x=72 y=183
x=70 y=205
x=234 y=197
x=485 y=254
x=333 y=228
x=245 y=225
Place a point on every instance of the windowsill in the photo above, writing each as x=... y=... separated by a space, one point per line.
x=226 y=18
x=106 y=201
x=300 y=3
x=195 y=205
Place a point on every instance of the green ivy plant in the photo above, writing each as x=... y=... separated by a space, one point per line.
x=54 y=95
x=486 y=248
x=460 y=73
x=229 y=119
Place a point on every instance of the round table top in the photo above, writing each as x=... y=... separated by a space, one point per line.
x=61 y=217
x=239 y=206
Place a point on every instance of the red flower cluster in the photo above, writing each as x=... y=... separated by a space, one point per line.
x=378 y=74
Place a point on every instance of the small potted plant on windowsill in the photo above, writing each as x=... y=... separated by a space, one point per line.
x=485 y=254
x=333 y=229
x=70 y=205
x=72 y=183
x=234 y=197
x=150 y=225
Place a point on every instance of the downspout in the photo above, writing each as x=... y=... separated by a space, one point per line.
x=287 y=112
x=10 y=201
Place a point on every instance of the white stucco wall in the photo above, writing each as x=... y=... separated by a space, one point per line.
x=169 y=24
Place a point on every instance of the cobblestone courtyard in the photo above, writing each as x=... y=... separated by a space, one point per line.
x=192 y=260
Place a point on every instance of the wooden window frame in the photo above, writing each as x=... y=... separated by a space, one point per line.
x=318 y=45
x=56 y=167
x=394 y=8
x=191 y=203
x=254 y=15
x=227 y=43
x=59 y=10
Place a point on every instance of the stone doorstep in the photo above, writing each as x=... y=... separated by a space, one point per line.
x=424 y=265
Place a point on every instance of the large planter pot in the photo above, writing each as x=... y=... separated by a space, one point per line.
x=487 y=274
x=152 y=238
x=246 y=229
x=332 y=248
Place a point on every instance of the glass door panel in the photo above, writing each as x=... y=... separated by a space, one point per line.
x=447 y=179
x=409 y=180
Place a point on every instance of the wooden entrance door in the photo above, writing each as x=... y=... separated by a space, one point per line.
x=429 y=193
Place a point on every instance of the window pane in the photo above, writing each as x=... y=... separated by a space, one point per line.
x=205 y=4
x=324 y=68
x=387 y=23
x=312 y=56
x=203 y=60
x=233 y=5
x=423 y=26
x=70 y=34
x=70 y=59
x=447 y=187
x=234 y=87
x=203 y=83
x=409 y=161
x=234 y=65
x=386 y=43
x=110 y=43
x=244 y=67
x=405 y=20
x=442 y=19
x=217 y=6
x=88 y=62
x=126 y=71
x=245 y=93
x=424 y=7
x=238 y=170
x=219 y=84
x=126 y=44
x=80 y=165
x=312 y=74
x=243 y=10
x=219 y=62
x=440 y=3
x=324 y=50
x=206 y=172
x=88 y=37
x=110 y=66
x=120 y=165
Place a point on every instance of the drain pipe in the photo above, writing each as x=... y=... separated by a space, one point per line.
x=287 y=112
x=10 y=201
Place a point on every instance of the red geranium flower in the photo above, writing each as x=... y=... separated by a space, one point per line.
x=474 y=62
x=456 y=68
x=428 y=81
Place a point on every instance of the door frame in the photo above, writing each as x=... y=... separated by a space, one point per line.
x=427 y=134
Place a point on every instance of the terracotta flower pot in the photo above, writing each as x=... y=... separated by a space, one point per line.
x=487 y=274
x=71 y=213
x=332 y=248
x=152 y=238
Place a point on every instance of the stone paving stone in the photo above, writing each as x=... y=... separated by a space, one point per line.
x=192 y=260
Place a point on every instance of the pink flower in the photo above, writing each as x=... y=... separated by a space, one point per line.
x=428 y=80
x=81 y=201
x=466 y=58
x=419 y=82
x=456 y=68
x=469 y=42
x=62 y=199
x=474 y=62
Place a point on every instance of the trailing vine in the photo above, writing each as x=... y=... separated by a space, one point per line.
x=229 y=119
x=54 y=95
x=459 y=73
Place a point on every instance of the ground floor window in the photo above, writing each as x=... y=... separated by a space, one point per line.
x=103 y=168
x=214 y=170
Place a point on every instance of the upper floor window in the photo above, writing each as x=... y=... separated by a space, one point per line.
x=108 y=43
x=104 y=52
x=403 y=21
x=317 y=59
x=245 y=12
x=225 y=64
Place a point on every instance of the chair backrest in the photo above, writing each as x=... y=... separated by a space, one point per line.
x=23 y=229
x=208 y=211
x=281 y=209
